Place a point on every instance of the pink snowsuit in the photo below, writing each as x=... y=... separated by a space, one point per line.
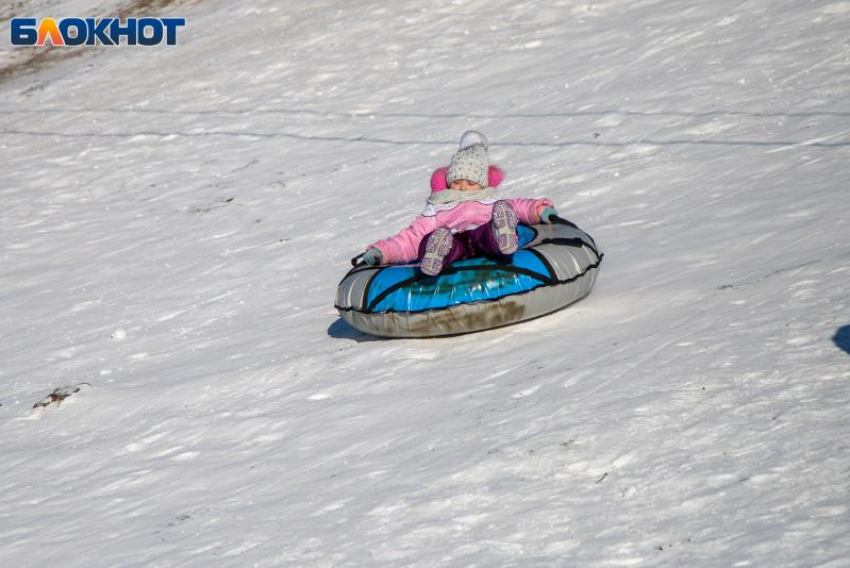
x=464 y=216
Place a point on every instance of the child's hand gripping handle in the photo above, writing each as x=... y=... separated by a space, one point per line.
x=372 y=257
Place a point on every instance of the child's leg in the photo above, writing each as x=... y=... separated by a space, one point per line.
x=498 y=237
x=504 y=227
x=439 y=249
x=481 y=241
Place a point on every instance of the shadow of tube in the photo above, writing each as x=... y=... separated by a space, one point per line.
x=340 y=329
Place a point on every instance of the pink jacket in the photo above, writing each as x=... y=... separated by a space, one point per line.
x=467 y=215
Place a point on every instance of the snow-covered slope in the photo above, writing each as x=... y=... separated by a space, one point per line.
x=174 y=222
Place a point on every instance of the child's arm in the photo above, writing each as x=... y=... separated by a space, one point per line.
x=528 y=210
x=404 y=246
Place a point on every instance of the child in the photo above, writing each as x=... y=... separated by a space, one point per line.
x=467 y=219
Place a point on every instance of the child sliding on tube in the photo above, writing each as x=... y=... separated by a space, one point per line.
x=464 y=220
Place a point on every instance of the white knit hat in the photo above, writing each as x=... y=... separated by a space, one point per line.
x=470 y=164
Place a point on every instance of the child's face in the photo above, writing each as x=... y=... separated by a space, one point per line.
x=465 y=185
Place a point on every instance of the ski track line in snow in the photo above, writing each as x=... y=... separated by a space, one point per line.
x=781 y=144
x=816 y=142
x=337 y=115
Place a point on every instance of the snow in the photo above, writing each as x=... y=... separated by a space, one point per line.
x=175 y=221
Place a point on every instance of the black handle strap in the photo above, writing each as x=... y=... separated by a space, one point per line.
x=556 y=220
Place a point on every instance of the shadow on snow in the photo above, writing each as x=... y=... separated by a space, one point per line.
x=340 y=329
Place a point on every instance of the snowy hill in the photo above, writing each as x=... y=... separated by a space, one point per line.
x=175 y=221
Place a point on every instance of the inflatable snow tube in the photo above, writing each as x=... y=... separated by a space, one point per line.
x=555 y=266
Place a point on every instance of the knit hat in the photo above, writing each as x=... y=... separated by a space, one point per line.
x=470 y=164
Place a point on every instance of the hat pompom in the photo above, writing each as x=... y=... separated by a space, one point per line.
x=473 y=138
